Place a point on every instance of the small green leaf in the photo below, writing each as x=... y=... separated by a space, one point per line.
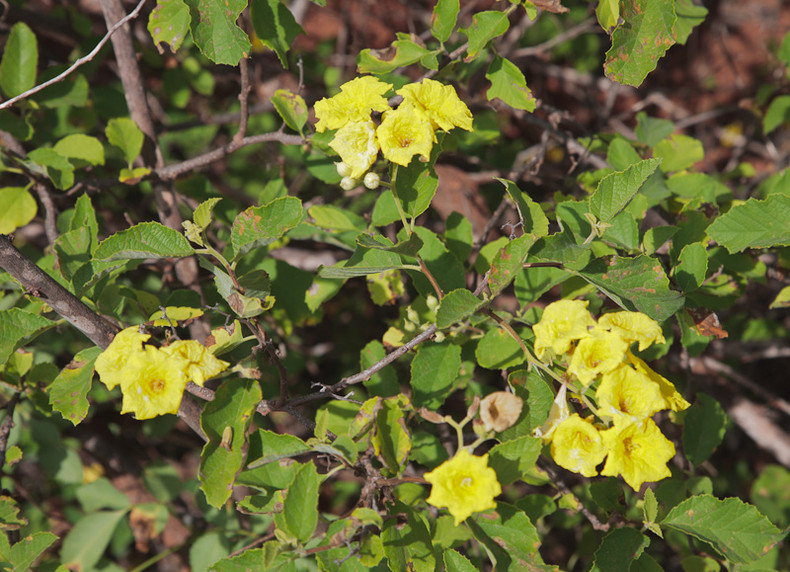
x=204 y=212
x=335 y=218
x=407 y=545
x=689 y=16
x=651 y=130
x=782 y=299
x=276 y=27
x=498 y=350
x=608 y=13
x=778 y=114
x=509 y=262
x=407 y=52
x=485 y=27
x=57 y=167
x=770 y=493
x=87 y=541
x=19 y=208
x=24 y=553
x=260 y=226
x=456 y=562
x=754 y=224
x=276 y=446
x=509 y=85
x=692 y=266
x=342 y=272
x=510 y=537
x=458 y=235
x=101 y=494
x=531 y=215
x=736 y=529
x=456 y=306
x=300 y=507
x=409 y=247
x=678 y=152
x=9 y=515
x=619 y=549
x=703 y=429
x=233 y=406
x=123 y=133
x=416 y=186
x=445 y=267
x=292 y=109
x=392 y=441
x=616 y=190
x=215 y=31
x=169 y=24
x=19 y=63
x=85 y=217
x=82 y=147
x=637 y=44
x=443 y=18
x=512 y=460
x=18 y=327
x=433 y=371
x=68 y=392
x=144 y=240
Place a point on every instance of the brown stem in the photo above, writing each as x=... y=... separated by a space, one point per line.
x=50 y=212
x=244 y=95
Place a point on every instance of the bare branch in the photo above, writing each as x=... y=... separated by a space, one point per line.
x=244 y=96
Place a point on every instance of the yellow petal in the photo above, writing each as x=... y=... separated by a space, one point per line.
x=112 y=361
x=404 y=133
x=439 y=102
x=357 y=145
x=637 y=451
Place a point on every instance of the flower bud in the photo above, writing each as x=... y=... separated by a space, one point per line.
x=342 y=169
x=372 y=181
x=347 y=183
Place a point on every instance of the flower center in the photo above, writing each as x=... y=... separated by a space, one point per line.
x=466 y=482
x=405 y=142
x=157 y=385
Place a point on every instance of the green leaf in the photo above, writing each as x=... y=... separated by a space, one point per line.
x=678 y=152
x=692 y=266
x=25 y=552
x=225 y=421
x=383 y=383
x=456 y=306
x=458 y=235
x=409 y=247
x=778 y=114
x=443 y=19
x=68 y=392
x=87 y=541
x=616 y=190
x=123 y=133
x=754 y=224
x=512 y=460
x=531 y=215
x=169 y=24
x=299 y=516
x=9 y=514
x=18 y=327
x=204 y=212
x=335 y=218
x=651 y=130
x=260 y=226
x=385 y=211
x=407 y=52
x=637 y=283
x=703 y=429
x=407 y=545
x=619 y=549
x=19 y=208
x=498 y=350
x=510 y=537
x=537 y=396
x=433 y=371
x=276 y=446
x=57 y=167
x=101 y=494
x=608 y=13
x=445 y=267
x=736 y=529
x=215 y=31
x=485 y=27
x=770 y=493
x=19 y=63
x=509 y=262
x=638 y=43
x=509 y=85
x=782 y=299
x=456 y=562
x=690 y=15
x=144 y=240
x=82 y=147
x=337 y=272
x=19 y=126
x=415 y=186
x=392 y=442
x=276 y=27
x=292 y=109
x=85 y=217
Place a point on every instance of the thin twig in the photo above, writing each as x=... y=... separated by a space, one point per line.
x=7 y=425
x=244 y=96
x=565 y=36
x=80 y=62
x=50 y=212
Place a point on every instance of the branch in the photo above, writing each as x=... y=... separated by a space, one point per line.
x=80 y=62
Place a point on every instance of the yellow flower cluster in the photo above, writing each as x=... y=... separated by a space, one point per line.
x=404 y=132
x=627 y=393
x=464 y=485
x=153 y=379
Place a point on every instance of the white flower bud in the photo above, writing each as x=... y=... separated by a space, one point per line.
x=372 y=181
x=347 y=183
x=342 y=169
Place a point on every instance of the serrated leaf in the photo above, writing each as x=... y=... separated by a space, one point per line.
x=215 y=31
x=85 y=217
x=737 y=530
x=510 y=537
x=87 y=541
x=275 y=26
x=651 y=130
x=433 y=371
x=300 y=508
x=703 y=428
x=169 y=24
x=692 y=266
x=456 y=306
x=25 y=552
x=754 y=224
x=678 y=152
x=142 y=241
x=276 y=446
x=416 y=186
x=407 y=52
x=498 y=350
x=409 y=247
x=509 y=85
x=19 y=64
x=443 y=18
x=123 y=133
x=57 y=167
x=407 y=545
x=456 y=562
x=392 y=441
x=445 y=267
x=335 y=218
x=204 y=212
x=512 y=459
x=509 y=262
x=531 y=215
x=68 y=392
x=292 y=109
x=486 y=26
x=637 y=44
x=9 y=514
x=616 y=190
x=222 y=458
x=82 y=147
x=19 y=208
x=619 y=549
x=260 y=226
x=18 y=327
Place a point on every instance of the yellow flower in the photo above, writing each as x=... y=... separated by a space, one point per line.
x=672 y=399
x=355 y=102
x=637 y=451
x=439 y=102
x=598 y=353
x=110 y=363
x=563 y=322
x=464 y=485
x=357 y=145
x=153 y=384
x=577 y=445
x=200 y=364
x=625 y=391
x=633 y=327
x=404 y=133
